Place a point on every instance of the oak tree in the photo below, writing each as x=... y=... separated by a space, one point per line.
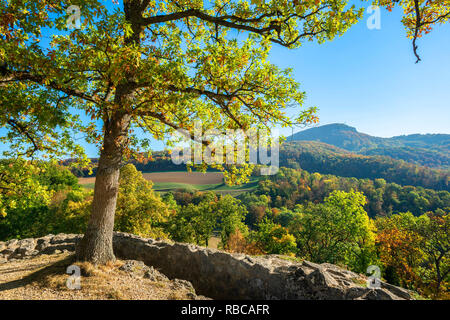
x=151 y=65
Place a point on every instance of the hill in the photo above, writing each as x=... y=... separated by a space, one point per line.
x=430 y=150
x=338 y=149
x=290 y=187
x=339 y=135
x=419 y=156
x=323 y=158
x=312 y=156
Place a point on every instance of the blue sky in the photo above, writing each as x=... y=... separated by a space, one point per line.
x=368 y=78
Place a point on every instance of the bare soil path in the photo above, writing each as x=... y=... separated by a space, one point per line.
x=44 y=278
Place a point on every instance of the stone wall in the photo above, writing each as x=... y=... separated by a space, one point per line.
x=222 y=275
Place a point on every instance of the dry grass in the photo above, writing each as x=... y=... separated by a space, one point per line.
x=185 y=177
x=86 y=180
x=44 y=278
x=176 y=177
x=213 y=242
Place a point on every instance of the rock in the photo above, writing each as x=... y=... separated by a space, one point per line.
x=139 y=269
x=8 y=251
x=376 y=294
x=18 y=248
x=59 y=248
x=134 y=267
x=26 y=247
x=42 y=243
x=218 y=274
x=178 y=284
x=400 y=292
x=9 y=247
x=11 y=243
x=155 y=275
x=191 y=295
x=65 y=239
x=222 y=275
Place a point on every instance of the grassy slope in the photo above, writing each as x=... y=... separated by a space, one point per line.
x=221 y=188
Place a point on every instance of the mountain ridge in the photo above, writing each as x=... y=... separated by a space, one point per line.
x=338 y=125
x=431 y=150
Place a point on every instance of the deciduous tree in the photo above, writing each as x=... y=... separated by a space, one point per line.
x=155 y=65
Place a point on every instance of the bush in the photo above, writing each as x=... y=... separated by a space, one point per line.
x=274 y=239
x=28 y=191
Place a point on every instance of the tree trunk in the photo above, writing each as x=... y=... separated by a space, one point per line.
x=96 y=245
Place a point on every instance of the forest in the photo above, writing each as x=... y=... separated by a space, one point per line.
x=295 y=214
x=419 y=156
x=290 y=187
x=317 y=157
x=320 y=157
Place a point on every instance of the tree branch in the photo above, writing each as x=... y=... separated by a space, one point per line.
x=222 y=21
x=12 y=76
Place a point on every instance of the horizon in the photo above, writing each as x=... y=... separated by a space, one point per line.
x=359 y=131
x=328 y=124
x=368 y=79
x=398 y=111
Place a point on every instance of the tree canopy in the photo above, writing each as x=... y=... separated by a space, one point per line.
x=152 y=66
x=157 y=65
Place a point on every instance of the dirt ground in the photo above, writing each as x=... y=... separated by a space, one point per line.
x=44 y=278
